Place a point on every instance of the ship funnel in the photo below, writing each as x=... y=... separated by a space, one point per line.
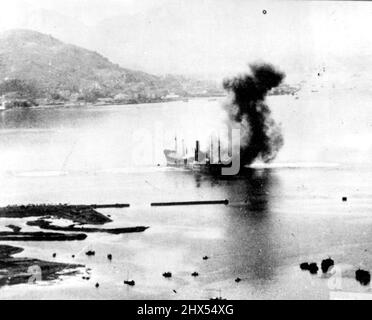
x=219 y=150
x=197 y=151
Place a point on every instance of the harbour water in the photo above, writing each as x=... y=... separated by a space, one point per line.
x=278 y=216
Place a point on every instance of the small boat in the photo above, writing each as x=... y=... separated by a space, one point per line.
x=129 y=282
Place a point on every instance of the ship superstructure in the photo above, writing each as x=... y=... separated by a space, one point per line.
x=199 y=161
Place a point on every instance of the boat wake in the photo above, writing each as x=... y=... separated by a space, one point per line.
x=293 y=165
x=39 y=173
x=138 y=169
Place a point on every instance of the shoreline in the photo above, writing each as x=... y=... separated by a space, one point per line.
x=129 y=103
x=16 y=270
x=98 y=104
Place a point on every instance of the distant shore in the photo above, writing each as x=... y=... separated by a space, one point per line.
x=111 y=103
x=43 y=103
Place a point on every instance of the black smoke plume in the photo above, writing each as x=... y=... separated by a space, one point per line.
x=261 y=137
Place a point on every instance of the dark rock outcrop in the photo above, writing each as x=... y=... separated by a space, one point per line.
x=40 y=236
x=313 y=268
x=167 y=274
x=326 y=264
x=363 y=276
x=43 y=224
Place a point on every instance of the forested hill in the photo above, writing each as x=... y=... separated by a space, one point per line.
x=36 y=65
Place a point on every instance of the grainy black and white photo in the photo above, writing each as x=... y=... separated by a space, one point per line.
x=185 y=150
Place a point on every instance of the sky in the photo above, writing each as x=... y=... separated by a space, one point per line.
x=206 y=37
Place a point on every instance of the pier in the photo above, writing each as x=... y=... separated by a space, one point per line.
x=189 y=203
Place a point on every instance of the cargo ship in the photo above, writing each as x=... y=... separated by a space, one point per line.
x=199 y=161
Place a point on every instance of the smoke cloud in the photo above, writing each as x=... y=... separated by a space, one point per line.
x=261 y=136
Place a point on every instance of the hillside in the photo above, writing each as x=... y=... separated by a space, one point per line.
x=45 y=67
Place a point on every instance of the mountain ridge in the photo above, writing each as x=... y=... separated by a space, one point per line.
x=56 y=68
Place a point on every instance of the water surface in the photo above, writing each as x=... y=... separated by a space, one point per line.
x=277 y=218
